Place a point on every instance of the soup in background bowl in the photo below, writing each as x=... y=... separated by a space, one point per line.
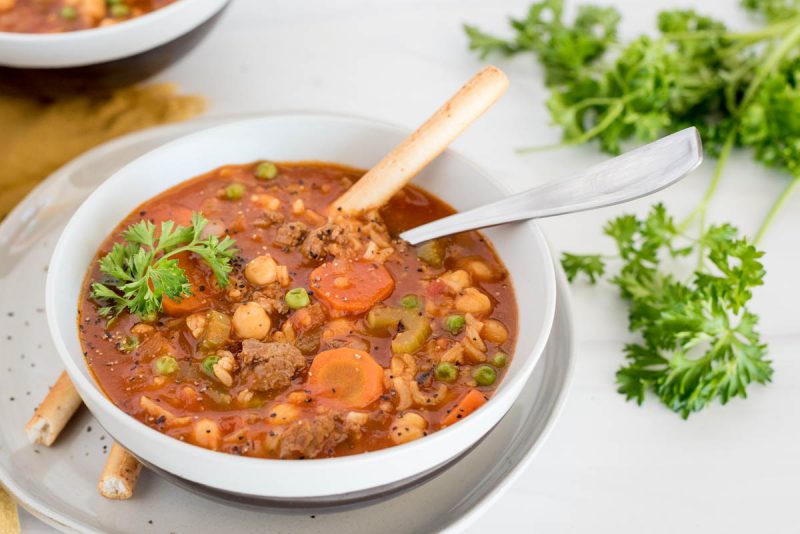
x=388 y=387
x=55 y=16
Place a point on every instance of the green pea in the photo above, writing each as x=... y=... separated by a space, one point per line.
x=484 y=375
x=208 y=365
x=68 y=13
x=297 y=298
x=266 y=170
x=120 y=10
x=234 y=191
x=454 y=323
x=410 y=301
x=165 y=365
x=445 y=372
x=128 y=344
x=500 y=359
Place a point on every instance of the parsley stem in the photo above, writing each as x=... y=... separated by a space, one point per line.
x=614 y=111
x=700 y=210
x=772 y=30
x=769 y=65
x=784 y=196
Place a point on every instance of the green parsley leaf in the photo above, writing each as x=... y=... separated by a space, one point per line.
x=591 y=266
x=142 y=269
x=698 y=338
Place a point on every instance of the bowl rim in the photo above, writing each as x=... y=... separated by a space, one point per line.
x=86 y=386
x=108 y=43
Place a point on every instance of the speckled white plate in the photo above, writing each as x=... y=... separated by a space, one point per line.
x=58 y=484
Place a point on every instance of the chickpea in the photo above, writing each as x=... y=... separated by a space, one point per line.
x=480 y=270
x=456 y=280
x=206 y=434
x=267 y=202
x=494 y=331
x=283 y=413
x=250 y=321
x=473 y=301
x=408 y=427
x=261 y=270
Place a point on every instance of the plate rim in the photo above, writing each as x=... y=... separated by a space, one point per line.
x=54 y=518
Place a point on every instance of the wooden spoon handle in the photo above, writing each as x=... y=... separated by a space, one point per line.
x=400 y=165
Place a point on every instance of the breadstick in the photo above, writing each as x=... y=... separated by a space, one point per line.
x=119 y=475
x=400 y=165
x=9 y=517
x=54 y=412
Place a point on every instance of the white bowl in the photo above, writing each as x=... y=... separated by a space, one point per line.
x=351 y=141
x=101 y=45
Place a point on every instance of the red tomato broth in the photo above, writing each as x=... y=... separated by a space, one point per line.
x=249 y=430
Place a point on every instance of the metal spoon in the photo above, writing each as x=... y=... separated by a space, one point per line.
x=632 y=175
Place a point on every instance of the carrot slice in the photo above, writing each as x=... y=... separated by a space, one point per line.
x=351 y=287
x=470 y=402
x=193 y=302
x=350 y=377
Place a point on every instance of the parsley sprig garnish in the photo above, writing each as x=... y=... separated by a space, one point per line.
x=143 y=269
x=698 y=338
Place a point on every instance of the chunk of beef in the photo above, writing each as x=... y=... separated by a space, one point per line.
x=308 y=318
x=326 y=240
x=274 y=305
x=269 y=218
x=307 y=324
x=307 y=438
x=268 y=366
x=291 y=234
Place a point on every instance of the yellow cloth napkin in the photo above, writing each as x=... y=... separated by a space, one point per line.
x=9 y=520
x=37 y=137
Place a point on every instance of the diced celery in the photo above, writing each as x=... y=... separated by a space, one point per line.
x=381 y=319
x=217 y=331
x=416 y=331
x=432 y=252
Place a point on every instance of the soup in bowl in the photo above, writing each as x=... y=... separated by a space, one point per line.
x=223 y=324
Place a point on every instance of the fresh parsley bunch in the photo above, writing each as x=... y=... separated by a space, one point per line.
x=142 y=269
x=698 y=338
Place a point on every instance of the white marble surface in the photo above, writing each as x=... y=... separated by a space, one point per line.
x=609 y=466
